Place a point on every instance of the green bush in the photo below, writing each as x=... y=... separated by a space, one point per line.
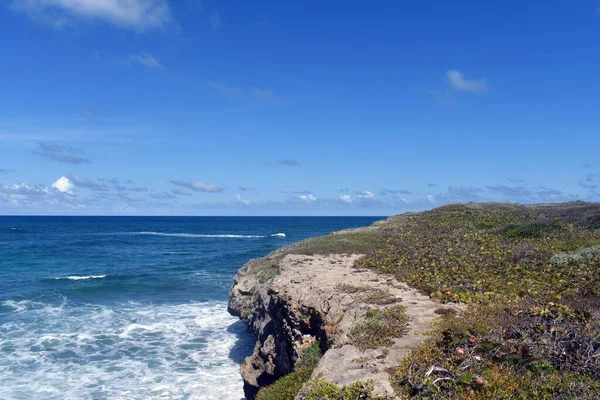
x=576 y=257
x=287 y=387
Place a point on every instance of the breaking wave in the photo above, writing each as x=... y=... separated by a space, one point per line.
x=80 y=278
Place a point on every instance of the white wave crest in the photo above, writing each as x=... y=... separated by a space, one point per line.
x=80 y=278
x=129 y=350
x=198 y=235
x=278 y=235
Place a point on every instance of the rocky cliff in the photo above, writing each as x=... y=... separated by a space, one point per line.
x=291 y=300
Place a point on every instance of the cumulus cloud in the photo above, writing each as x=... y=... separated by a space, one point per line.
x=129 y=14
x=145 y=60
x=346 y=198
x=307 y=198
x=199 y=186
x=288 y=162
x=458 y=82
x=365 y=195
x=21 y=197
x=63 y=185
x=61 y=153
x=87 y=184
x=241 y=200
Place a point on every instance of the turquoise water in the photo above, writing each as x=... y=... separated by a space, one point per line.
x=130 y=307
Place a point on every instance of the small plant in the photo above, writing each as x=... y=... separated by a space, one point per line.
x=345 y=288
x=322 y=390
x=379 y=297
x=577 y=256
x=380 y=327
x=287 y=387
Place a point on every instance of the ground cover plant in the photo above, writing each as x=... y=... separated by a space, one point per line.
x=287 y=387
x=531 y=278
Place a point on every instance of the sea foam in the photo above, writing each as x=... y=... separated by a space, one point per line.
x=130 y=351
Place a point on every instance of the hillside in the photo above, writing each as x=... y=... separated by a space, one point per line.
x=468 y=301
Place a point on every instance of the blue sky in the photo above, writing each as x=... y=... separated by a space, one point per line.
x=193 y=107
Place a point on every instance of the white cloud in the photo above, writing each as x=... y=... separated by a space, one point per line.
x=240 y=200
x=346 y=198
x=366 y=195
x=199 y=186
x=130 y=14
x=458 y=82
x=63 y=185
x=307 y=198
x=430 y=198
x=145 y=60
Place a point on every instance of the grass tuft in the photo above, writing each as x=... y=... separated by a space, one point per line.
x=379 y=328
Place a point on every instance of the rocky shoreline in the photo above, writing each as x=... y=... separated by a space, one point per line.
x=291 y=301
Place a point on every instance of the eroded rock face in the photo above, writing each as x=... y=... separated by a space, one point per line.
x=309 y=300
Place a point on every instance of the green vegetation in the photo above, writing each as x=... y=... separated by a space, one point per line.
x=531 y=275
x=576 y=257
x=370 y=295
x=321 y=390
x=544 y=351
x=287 y=387
x=379 y=297
x=380 y=327
x=485 y=253
x=264 y=268
x=359 y=243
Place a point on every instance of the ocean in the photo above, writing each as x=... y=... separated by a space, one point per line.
x=131 y=307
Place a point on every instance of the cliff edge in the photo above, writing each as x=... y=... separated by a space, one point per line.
x=292 y=300
x=514 y=291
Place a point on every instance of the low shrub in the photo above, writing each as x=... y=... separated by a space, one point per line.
x=322 y=390
x=287 y=387
x=379 y=327
x=576 y=257
x=531 y=351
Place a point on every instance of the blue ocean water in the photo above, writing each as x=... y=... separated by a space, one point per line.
x=130 y=307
